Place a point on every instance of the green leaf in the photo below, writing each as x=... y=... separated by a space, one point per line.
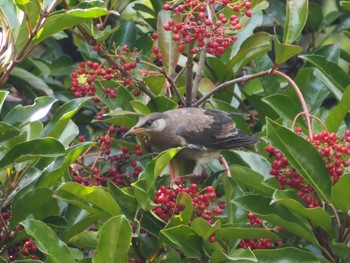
x=250 y=179
x=291 y=200
x=86 y=239
x=113 y=241
x=62 y=116
x=32 y=80
x=155 y=83
x=334 y=76
x=167 y=46
x=48 y=242
x=125 y=198
x=32 y=150
x=185 y=215
x=25 y=114
x=345 y=5
x=277 y=214
x=337 y=114
x=340 y=249
x=125 y=35
x=297 y=13
x=340 y=194
x=303 y=156
x=234 y=255
x=57 y=168
x=283 y=105
x=236 y=232
x=161 y=104
x=139 y=107
x=315 y=17
x=251 y=48
x=61 y=20
x=185 y=238
x=7 y=131
x=203 y=228
x=3 y=94
x=94 y=199
x=41 y=205
x=283 y=52
x=285 y=255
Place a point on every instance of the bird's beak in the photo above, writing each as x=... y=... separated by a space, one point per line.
x=133 y=130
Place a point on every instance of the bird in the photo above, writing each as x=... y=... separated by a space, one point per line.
x=202 y=133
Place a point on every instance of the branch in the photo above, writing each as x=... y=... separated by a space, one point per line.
x=189 y=67
x=199 y=72
x=226 y=84
x=174 y=87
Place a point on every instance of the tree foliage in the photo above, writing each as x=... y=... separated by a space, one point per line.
x=76 y=75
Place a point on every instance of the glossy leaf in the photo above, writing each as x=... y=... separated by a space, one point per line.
x=296 y=17
x=184 y=217
x=283 y=52
x=155 y=83
x=204 y=229
x=185 y=239
x=331 y=72
x=168 y=47
x=340 y=194
x=315 y=16
x=277 y=215
x=125 y=199
x=32 y=80
x=250 y=179
x=285 y=255
x=85 y=239
x=7 y=131
x=61 y=20
x=41 y=205
x=62 y=116
x=337 y=114
x=291 y=200
x=47 y=241
x=113 y=241
x=283 y=105
x=345 y=5
x=302 y=156
x=236 y=232
x=94 y=199
x=139 y=107
x=234 y=255
x=251 y=48
x=59 y=165
x=32 y=150
x=340 y=249
x=126 y=34
x=161 y=104
x=21 y=115
x=3 y=93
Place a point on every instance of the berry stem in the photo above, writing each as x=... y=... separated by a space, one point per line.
x=301 y=99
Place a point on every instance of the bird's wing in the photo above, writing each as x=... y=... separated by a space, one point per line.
x=215 y=131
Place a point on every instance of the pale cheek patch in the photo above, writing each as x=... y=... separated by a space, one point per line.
x=159 y=125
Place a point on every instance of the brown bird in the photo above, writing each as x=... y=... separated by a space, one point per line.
x=202 y=132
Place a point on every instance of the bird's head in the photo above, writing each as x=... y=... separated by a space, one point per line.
x=151 y=124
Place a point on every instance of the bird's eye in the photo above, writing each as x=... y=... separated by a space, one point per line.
x=148 y=123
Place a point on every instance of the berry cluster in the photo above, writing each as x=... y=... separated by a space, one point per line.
x=203 y=203
x=200 y=24
x=334 y=151
x=121 y=168
x=84 y=78
x=24 y=250
x=256 y=243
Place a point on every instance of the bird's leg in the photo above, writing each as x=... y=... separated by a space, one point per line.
x=222 y=160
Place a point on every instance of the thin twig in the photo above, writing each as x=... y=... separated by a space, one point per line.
x=174 y=87
x=226 y=84
x=301 y=99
